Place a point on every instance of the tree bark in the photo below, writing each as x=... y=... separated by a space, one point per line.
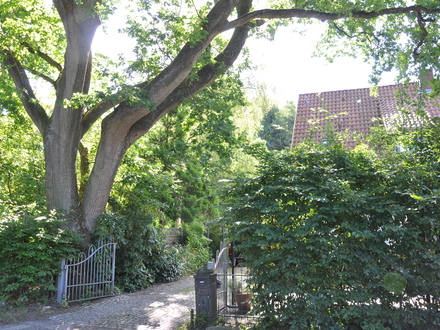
x=64 y=131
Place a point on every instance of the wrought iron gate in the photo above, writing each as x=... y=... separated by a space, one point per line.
x=88 y=277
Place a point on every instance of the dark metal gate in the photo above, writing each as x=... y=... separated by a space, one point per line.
x=88 y=277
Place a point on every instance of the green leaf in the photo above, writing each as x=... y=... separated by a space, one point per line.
x=394 y=282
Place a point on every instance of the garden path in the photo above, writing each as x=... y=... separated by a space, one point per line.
x=160 y=307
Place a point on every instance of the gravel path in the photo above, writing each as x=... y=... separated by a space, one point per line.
x=161 y=307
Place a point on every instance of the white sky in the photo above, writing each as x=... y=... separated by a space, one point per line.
x=286 y=65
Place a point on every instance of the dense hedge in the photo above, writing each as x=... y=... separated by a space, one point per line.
x=142 y=257
x=31 y=249
x=342 y=240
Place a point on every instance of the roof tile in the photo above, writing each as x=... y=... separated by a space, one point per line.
x=356 y=110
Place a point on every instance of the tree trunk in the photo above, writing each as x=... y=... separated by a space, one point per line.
x=61 y=180
x=64 y=131
x=111 y=150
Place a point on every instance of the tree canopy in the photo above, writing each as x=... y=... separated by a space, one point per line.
x=50 y=72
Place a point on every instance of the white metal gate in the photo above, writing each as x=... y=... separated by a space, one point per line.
x=221 y=269
x=230 y=274
x=88 y=276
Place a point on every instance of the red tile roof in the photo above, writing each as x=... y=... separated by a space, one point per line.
x=356 y=111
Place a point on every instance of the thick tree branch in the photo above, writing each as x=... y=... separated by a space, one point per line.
x=163 y=85
x=178 y=70
x=25 y=91
x=80 y=23
x=174 y=74
x=323 y=16
x=206 y=75
x=91 y=116
x=64 y=7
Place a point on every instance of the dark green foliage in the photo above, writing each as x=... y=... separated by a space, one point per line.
x=184 y=191
x=144 y=193
x=341 y=240
x=31 y=249
x=142 y=257
x=278 y=127
x=198 y=199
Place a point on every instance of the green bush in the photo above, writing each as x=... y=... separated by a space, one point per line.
x=340 y=239
x=142 y=257
x=196 y=251
x=31 y=249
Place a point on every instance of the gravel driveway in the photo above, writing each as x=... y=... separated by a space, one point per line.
x=165 y=307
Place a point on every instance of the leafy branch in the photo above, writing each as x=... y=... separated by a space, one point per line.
x=25 y=91
x=49 y=60
x=323 y=16
x=421 y=22
x=353 y=36
x=44 y=56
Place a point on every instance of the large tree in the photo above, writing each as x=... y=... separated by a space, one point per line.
x=179 y=52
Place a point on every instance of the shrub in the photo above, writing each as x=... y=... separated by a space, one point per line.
x=142 y=257
x=337 y=239
x=196 y=251
x=31 y=249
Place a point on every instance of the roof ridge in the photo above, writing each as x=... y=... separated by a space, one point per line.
x=362 y=88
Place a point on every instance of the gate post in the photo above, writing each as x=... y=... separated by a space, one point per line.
x=206 y=293
x=62 y=279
